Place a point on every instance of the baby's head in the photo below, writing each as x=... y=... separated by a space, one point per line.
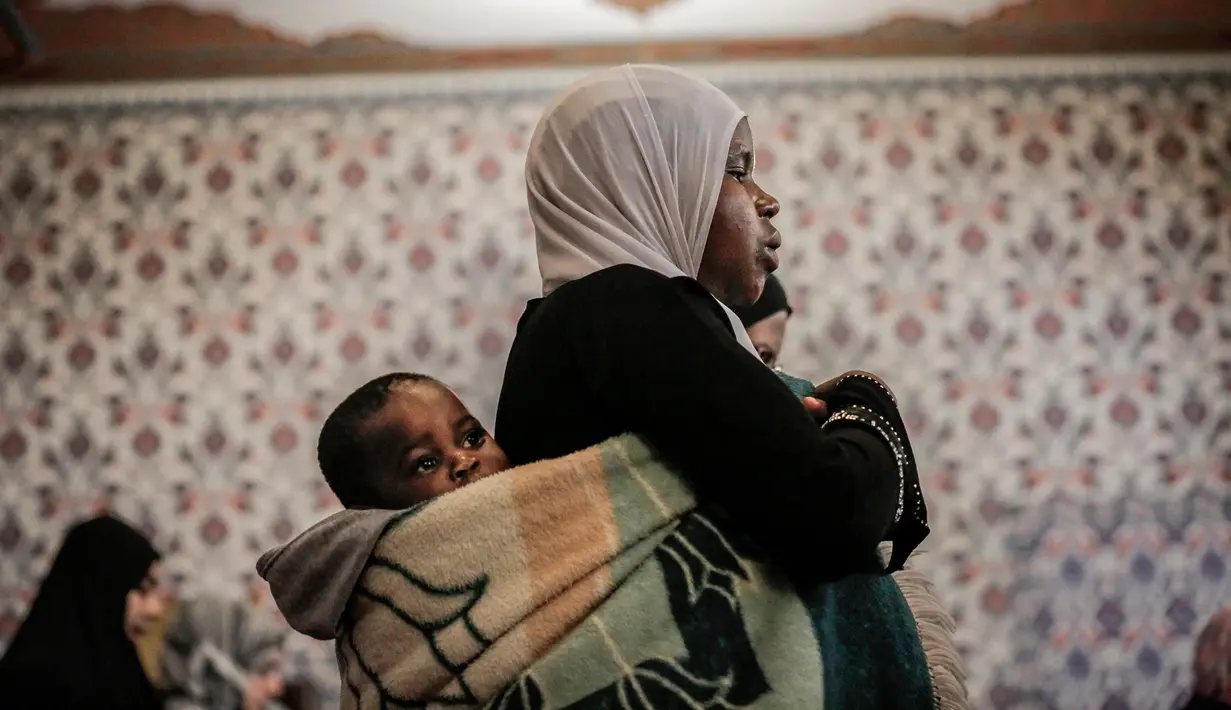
x=402 y=439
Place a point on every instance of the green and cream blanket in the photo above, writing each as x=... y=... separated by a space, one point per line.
x=596 y=581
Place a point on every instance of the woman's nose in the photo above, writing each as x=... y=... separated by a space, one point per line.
x=767 y=204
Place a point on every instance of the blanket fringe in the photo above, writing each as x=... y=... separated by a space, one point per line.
x=936 y=629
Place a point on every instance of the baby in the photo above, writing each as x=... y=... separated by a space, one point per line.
x=403 y=439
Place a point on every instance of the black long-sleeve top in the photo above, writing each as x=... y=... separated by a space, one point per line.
x=629 y=350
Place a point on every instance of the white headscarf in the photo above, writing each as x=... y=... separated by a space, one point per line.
x=625 y=168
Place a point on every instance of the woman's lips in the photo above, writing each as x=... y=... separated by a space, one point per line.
x=770 y=254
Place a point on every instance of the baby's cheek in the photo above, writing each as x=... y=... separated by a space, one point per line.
x=428 y=488
x=494 y=459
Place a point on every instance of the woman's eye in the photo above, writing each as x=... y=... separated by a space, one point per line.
x=739 y=175
x=475 y=437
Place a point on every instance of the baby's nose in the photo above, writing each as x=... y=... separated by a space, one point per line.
x=465 y=467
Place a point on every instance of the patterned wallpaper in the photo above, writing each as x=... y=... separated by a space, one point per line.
x=1034 y=255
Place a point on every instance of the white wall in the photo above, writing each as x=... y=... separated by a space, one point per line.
x=460 y=23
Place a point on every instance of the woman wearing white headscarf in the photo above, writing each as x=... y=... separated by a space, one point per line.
x=649 y=228
x=219 y=655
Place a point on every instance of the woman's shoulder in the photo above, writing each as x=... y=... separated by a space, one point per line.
x=602 y=294
x=624 y=286
x=613 y=299
x=618 y=277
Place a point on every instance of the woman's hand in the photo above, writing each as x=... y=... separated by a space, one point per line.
x=816 y=403
x=816 y=407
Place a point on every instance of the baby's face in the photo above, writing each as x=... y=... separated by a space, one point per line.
x=425 y=443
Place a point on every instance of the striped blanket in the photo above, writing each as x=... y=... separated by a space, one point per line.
x=596 y=581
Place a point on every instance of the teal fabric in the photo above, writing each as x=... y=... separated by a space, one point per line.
x=873 y=658
x=798 y=385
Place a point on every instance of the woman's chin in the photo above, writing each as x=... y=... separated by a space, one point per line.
x=753 y=292
x=738 y=295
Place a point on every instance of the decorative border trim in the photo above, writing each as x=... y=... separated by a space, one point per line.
x=468 y=83
x=869 y=419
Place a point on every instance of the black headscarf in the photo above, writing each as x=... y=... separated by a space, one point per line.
x=772 y=300
x=71 y=651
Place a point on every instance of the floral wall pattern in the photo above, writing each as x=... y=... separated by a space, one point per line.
x=1036 y=261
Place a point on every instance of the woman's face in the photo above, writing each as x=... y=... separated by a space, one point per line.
x=145 y=604
x=742 y=248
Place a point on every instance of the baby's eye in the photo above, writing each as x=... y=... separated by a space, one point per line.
x=425 y=464
x=475 y=437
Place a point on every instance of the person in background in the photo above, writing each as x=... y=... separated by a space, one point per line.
x=1212 y=665
x=766 y=320
x=221 y=655
x=75 y=649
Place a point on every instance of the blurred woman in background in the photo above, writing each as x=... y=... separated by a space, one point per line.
x=221 y=655
x=75 y=649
